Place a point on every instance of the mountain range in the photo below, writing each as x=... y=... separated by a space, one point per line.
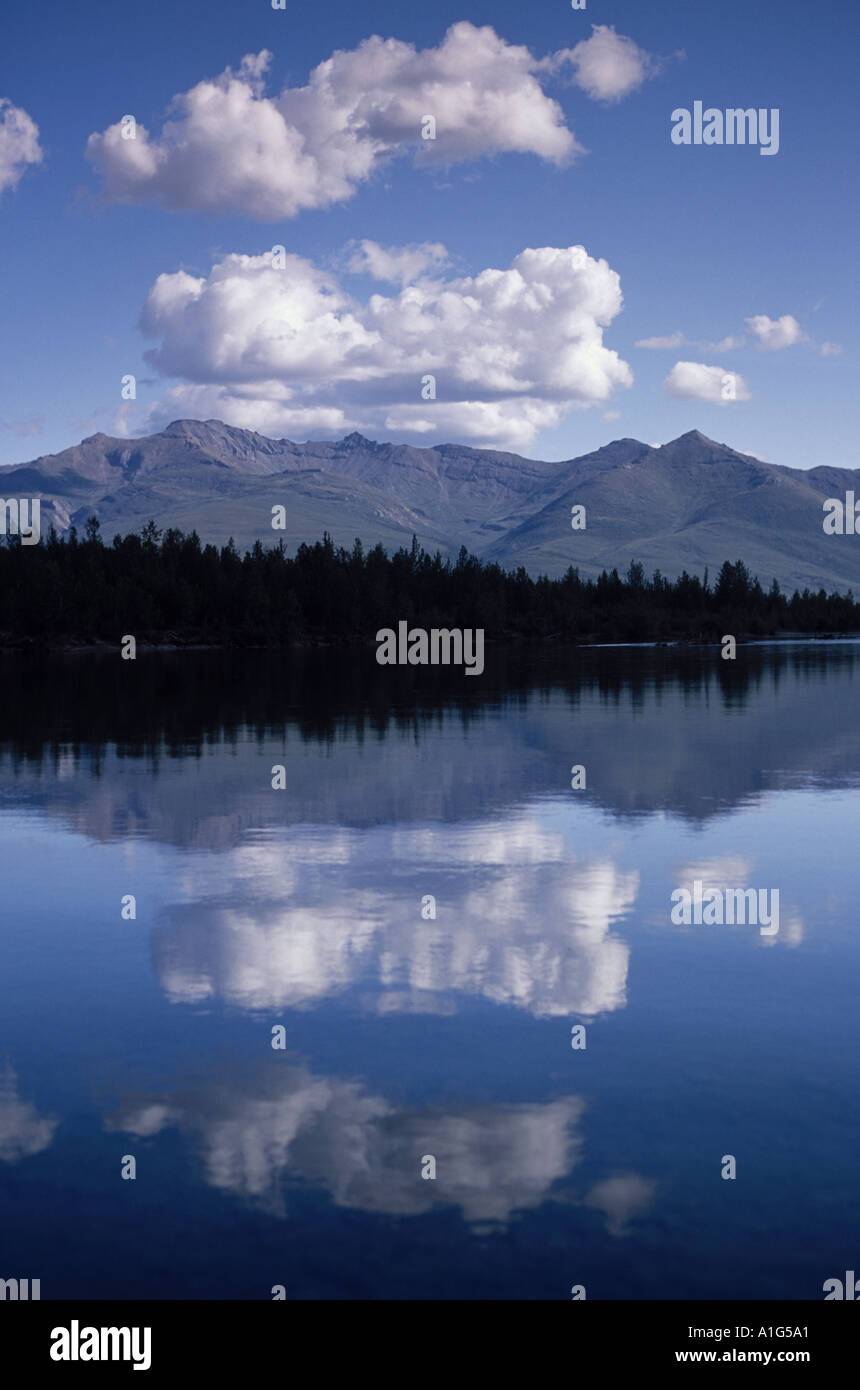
x=688 y=504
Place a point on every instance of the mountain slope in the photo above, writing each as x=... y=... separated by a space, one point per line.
x=689 y=504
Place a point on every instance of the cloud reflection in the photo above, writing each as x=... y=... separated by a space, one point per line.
x=518 y=923
x=23 y=1131
x=257 y=1136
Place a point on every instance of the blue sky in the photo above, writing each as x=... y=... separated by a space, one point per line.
x=714 y=243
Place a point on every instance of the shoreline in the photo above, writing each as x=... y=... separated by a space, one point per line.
x=31 y=646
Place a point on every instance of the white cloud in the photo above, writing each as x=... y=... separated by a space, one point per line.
x=290 y=351
x=121 y=421
x=397 y=264
x=19 y=143
x=728 y=344
x=231 y=147
x=694 y=381
x=677 y=339
x=672 y=340
x=609 y=66
x=773 y=334
x=769 y=335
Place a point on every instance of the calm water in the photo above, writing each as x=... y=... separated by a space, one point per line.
x=407 y=1036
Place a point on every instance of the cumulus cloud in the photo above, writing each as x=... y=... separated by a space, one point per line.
x=231 y=147
x=773 y=334
x=397 y=265
x=289 y=351
x=609 y=66
x=19 y=143
x=694 y=381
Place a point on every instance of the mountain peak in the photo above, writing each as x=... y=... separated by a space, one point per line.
x=696 y=437
x=356 y=440
x=196 y=427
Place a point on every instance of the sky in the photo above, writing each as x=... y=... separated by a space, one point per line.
x=287 y=243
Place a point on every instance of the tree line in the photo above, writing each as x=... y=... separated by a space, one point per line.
x=169 y=587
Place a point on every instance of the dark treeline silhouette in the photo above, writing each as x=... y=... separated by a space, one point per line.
x=170 y=588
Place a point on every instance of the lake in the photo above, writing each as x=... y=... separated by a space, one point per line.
x=506 y=1072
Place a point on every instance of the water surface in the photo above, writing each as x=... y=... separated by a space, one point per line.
x=409 y=1036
